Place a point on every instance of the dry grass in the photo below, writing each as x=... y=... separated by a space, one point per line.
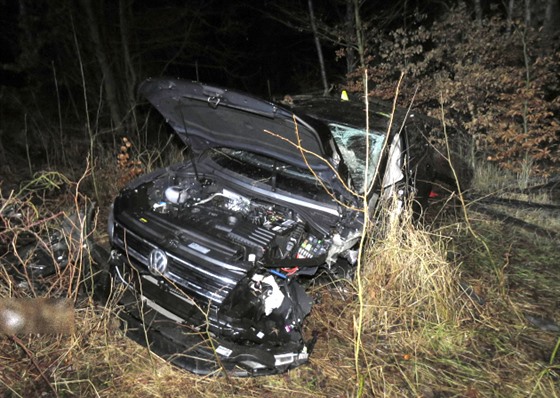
x=427 y=337
x=414 y=307
x=423 y=335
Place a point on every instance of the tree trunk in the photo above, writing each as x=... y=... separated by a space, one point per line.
x=109 y=80
x=478 y=11
x=360 y=41
x=551 y=28
x=29 y=47
x=318 y=46
x=3 y=158
x=350 y=32
x=528 y=15
x=129 y=72
x=510 y=9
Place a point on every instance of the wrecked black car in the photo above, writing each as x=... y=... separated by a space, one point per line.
x=212 y=254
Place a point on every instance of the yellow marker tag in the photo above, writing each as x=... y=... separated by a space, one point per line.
x=142 y=219
x=344 y=96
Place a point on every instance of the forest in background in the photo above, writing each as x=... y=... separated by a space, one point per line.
x=70 y=69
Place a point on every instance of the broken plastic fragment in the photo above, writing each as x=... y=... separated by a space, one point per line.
x=274 y=298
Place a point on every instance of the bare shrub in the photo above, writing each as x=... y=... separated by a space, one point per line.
x=494 y=79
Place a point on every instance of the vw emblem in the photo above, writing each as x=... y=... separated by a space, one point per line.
x=157 y=262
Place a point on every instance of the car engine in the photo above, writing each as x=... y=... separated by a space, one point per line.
x=254 y=230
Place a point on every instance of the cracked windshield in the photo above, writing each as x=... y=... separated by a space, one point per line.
x=352 y=145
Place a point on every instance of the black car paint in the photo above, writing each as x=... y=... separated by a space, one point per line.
x=230 y=243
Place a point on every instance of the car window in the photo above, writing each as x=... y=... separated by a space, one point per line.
x=352 y=146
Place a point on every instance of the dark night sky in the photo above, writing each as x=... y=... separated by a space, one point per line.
x=236 y=44
x=263 y=51
x=269 y=53
x=239 y=43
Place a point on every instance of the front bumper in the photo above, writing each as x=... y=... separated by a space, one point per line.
x=189 y=344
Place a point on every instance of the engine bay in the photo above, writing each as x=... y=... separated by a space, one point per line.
x=259 y=231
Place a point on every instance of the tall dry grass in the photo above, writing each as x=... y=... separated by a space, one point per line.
x=423 y=334
x=412 y=297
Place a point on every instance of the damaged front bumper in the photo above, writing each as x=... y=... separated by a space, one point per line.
x=181 y=332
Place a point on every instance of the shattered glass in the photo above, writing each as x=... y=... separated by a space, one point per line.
x=352 y=145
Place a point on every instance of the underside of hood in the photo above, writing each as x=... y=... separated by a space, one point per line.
x=207 y=116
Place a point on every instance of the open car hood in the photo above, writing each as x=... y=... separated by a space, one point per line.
x=206 y=116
